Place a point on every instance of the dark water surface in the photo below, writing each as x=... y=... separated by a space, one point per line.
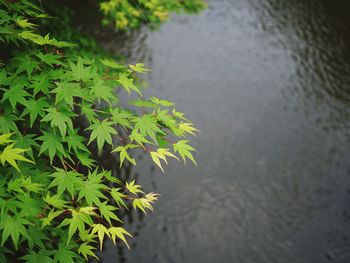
x=268 y=84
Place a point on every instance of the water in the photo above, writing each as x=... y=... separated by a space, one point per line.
x=268 y=84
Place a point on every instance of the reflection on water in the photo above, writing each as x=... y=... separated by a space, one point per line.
x=268 y=84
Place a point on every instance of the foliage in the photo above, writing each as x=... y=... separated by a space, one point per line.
x=59 y=101
x=131 y=13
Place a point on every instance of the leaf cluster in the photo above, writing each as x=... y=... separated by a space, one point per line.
x=132 y=13
x=56 y=107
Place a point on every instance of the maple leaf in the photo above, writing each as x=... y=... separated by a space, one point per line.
x=145 y=202
x=55 y=201
x=102 y=131
x=7 y=123
x=35 y=108
x=79 y=71
x=107 y=211
x=139 y=67
x=101 y=231
x=76 y=223
x=42 y=256
x=64 y=254
x=184 y=150
x=86 y=251
x=92 y=189
x=12 y=155
x=123 y=153
x=147 y=126
x=40 y=83
x=66 y=180
x=49 y=58
x=75 y=141
x=102 y=91
x=13 y=226
x=59 y=119
x=66 y=91
x=5 y=138
x=111 y=64
x=127 y=83
x=53 y=144
x=26 y=63
x=117 y=196
x=16 y=94
x=161 y=153
x=121 y=117
x=120 y=233
x=133 y=188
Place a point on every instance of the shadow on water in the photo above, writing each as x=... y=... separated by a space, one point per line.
x=268 y=84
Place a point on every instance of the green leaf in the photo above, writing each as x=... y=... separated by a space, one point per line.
x=66 y=180
x=86 y=251
x=7 y=123
x=55 y=201
x=16 y=94
x=35 y=108
x=164 y=103
x=138 y=138
x=5 y=138
x=64 y=254
x=111 y=64
x=75 y=141
x=58 y=119
x=121 y=117
x=12 y=155
x=123 y=153
x=102 y=91
x=46 y=221
x=92 y=189
x=26 y=142
x=88 y=111
x=161 y=154
x=76 y=223
x=143 y=103
x=53 y=144
x=85 y=160
x=102 y=131
x=184 y=150
x=13 y=226
x=49 y=58
x=139 y=67
x=36 y=237
x=24 y=23
x=187 y=128
x=118 y=197
x=66 y=91
x=25 y=63
x=79 y=72
x=41 y=83
x=147 y=126
x=41 y=257
x=107 y=211
x=101 y=231
x=120 y=233
x=145 y=202
x=128 y=83
x=133 y=188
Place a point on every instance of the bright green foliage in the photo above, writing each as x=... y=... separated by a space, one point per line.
x=58 y=104
x=10 y=154
x=120 y=233
x=130 y=14
x=184 y=149
x=161 y=154
x=102 y=132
